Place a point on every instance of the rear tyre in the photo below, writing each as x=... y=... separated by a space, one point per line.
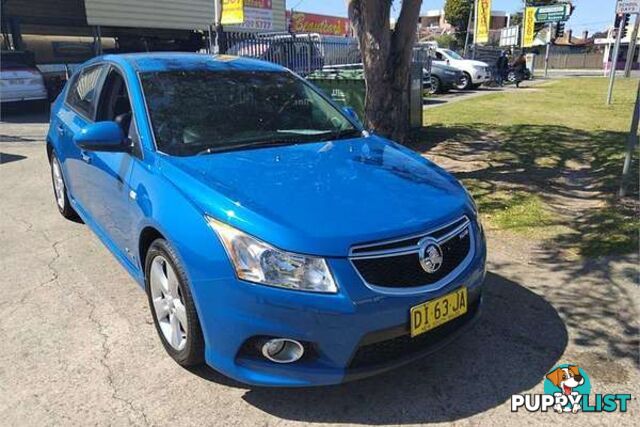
x=436 y=86
x=172 y=307
x=465 y=82
x=60 y=189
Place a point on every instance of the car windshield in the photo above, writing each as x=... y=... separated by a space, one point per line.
x=452 y=54
x=201 y=112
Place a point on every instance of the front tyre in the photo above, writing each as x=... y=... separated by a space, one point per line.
x=465 y=82
x=172 y=306
x=60 y=189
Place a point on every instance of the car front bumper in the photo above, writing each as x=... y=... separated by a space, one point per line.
x=346 y=332
x=480 y=77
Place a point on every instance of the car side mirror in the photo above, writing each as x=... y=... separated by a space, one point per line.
x=448 y=62
x=102 y=136
x=352 y=113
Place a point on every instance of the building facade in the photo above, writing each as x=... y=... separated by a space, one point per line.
x=433 y=23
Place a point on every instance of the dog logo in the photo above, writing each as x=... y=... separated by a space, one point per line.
x=430 y=256
x=567 y=390
x=567 y=380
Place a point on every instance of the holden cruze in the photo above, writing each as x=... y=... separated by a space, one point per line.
x=277 y=241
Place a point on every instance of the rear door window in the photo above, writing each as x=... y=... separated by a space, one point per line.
x=83 y=92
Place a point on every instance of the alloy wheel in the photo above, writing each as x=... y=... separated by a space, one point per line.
x=463 y=83
x=168 y=303
x=435 y=86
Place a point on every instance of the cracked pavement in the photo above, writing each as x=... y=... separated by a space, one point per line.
x=79 y=347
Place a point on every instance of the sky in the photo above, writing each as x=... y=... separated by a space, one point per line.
x=592 y=15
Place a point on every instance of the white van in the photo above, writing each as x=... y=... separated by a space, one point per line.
x=475 y=73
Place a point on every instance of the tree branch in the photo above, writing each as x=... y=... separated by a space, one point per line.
x=406 y=27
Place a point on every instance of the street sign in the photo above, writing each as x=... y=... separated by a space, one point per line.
x=510 y=36
x=553 y=13
x=628 y=6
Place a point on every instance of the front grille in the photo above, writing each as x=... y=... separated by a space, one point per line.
x=409 y=241
x=403 y=346
x=404 y=271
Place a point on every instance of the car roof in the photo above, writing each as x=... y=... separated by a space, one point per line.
x=186 y=61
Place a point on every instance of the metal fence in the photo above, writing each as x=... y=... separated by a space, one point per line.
x=569 y=61
x=302 y=53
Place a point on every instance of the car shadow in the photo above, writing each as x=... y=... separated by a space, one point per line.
x=517 y=340
x=24 y=114
x=433 y=101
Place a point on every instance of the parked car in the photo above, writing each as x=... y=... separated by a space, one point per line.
x=277 y=241
x=338 y=50
x=475 y=73
x=20 y=80
x=511 y=75
x=300 y=53
x=442 y=78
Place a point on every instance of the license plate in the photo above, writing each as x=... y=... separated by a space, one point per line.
x=430 y=315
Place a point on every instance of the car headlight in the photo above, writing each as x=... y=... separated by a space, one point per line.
x=258 y=262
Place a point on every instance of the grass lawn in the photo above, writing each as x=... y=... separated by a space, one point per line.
x=544 y=161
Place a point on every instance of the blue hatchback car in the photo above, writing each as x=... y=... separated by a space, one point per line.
x=277 y=241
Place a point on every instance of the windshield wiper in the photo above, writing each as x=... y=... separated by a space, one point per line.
x=276 y=142
x=253 y=144
x=342 y=134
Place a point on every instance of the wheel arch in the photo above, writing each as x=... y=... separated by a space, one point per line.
x=50 y=149
x=147 y=236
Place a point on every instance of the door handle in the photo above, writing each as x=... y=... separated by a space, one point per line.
x=86 y=157
x=60 y=129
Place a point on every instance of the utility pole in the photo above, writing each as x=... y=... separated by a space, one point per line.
x=466 y=39
x=632 y=48
x=631 y=145
x=614 y=61
x=217 y=26
x=546 y=54
x=475 y=26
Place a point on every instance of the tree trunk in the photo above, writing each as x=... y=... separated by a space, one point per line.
x=386 y=57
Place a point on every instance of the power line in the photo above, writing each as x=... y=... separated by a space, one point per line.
x=297 y=4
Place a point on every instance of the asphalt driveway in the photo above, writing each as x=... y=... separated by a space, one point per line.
x=79 y=347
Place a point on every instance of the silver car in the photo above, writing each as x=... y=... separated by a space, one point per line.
x=20 y=80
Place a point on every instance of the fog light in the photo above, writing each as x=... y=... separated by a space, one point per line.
x=282 y=350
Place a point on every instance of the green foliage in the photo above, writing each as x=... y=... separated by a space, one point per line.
x=447 y=41
x=456 y=12
x=516 y=18
x=547 y=162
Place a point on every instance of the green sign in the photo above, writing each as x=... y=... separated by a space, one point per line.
x=553 y=13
